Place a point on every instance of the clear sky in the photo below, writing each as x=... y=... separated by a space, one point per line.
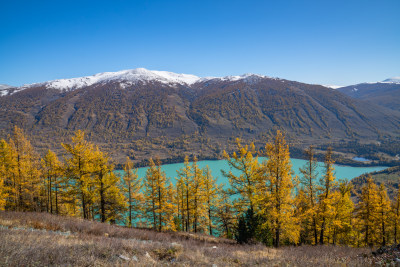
x=322 y=41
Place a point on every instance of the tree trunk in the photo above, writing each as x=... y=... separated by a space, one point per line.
x=321 y=237
x=209 y=219
x=187 y=209
x=130 y=205
x=102 y=201
x=277 y=236
x=56 y=195
x=315 y=231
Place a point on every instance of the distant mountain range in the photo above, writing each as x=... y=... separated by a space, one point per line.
x=385 y=93
x=141 y=112
x=392 y=80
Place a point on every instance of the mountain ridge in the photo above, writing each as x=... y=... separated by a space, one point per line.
x=133 y=76
x=154 y=116
x=386 y=94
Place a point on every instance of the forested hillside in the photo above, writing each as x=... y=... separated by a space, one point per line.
x=390 y=177
x=150 y=115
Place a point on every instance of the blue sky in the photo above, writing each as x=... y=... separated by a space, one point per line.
x=325 y=42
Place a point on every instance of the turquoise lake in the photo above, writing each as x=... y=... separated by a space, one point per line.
x=342 y=172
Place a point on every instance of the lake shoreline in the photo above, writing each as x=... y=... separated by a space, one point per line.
x=339 y=162
x=216 y=166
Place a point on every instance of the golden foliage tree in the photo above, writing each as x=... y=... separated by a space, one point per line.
x=158 y=195
x=132 y=186
x=24 y=170
x=52 y=173
x=184 y=194
x=277 y=203
x=383 y=213
x=395 y=218
x=6 y=177
x=211 y=197
x=247 y=182
x=226 y=214
x=309 y=188
x=3 y=195
x=78 y=170
x=326 y=198
x=366 y=211
x=198 y=197
x=341 y=224
x=108 y=197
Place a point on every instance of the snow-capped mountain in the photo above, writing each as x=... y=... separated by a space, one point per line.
x=392 y=80
x=5 y=86
x=5 y=89
x=129 y=77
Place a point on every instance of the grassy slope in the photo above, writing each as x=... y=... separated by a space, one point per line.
x=38 y=239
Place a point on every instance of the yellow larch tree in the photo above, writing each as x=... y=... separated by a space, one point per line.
x=211 y=197
x=302 y=212
x=3 y=195
x=278 y=202
x=195 y=197
x=383 y=213
x=132 y=186
x=78 y=170
x=395 y=218
x=341 y=224
x=226 y=214
x=366 y=211
x=184 y=194
x=309 y=187
x=180 y=203
x=198 y=198
x=326 y=198
x=244 y=176
x=24 y=169
x=51 y=168
x=7 y=189
x=108 y=198
x=158 y=194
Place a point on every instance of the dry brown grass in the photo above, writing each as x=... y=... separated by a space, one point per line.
x=40 y=239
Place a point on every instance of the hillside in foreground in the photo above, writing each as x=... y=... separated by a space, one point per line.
x=41 y=239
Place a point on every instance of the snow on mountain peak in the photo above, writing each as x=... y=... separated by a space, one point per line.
x=130 y=76
x=249 y=77
x=332 y=86
x=241 y=77
x=5 y=86
x=392 y=80
x=4 y=89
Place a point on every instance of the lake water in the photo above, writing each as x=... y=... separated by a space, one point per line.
x=361 y=159
x=342 y=172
